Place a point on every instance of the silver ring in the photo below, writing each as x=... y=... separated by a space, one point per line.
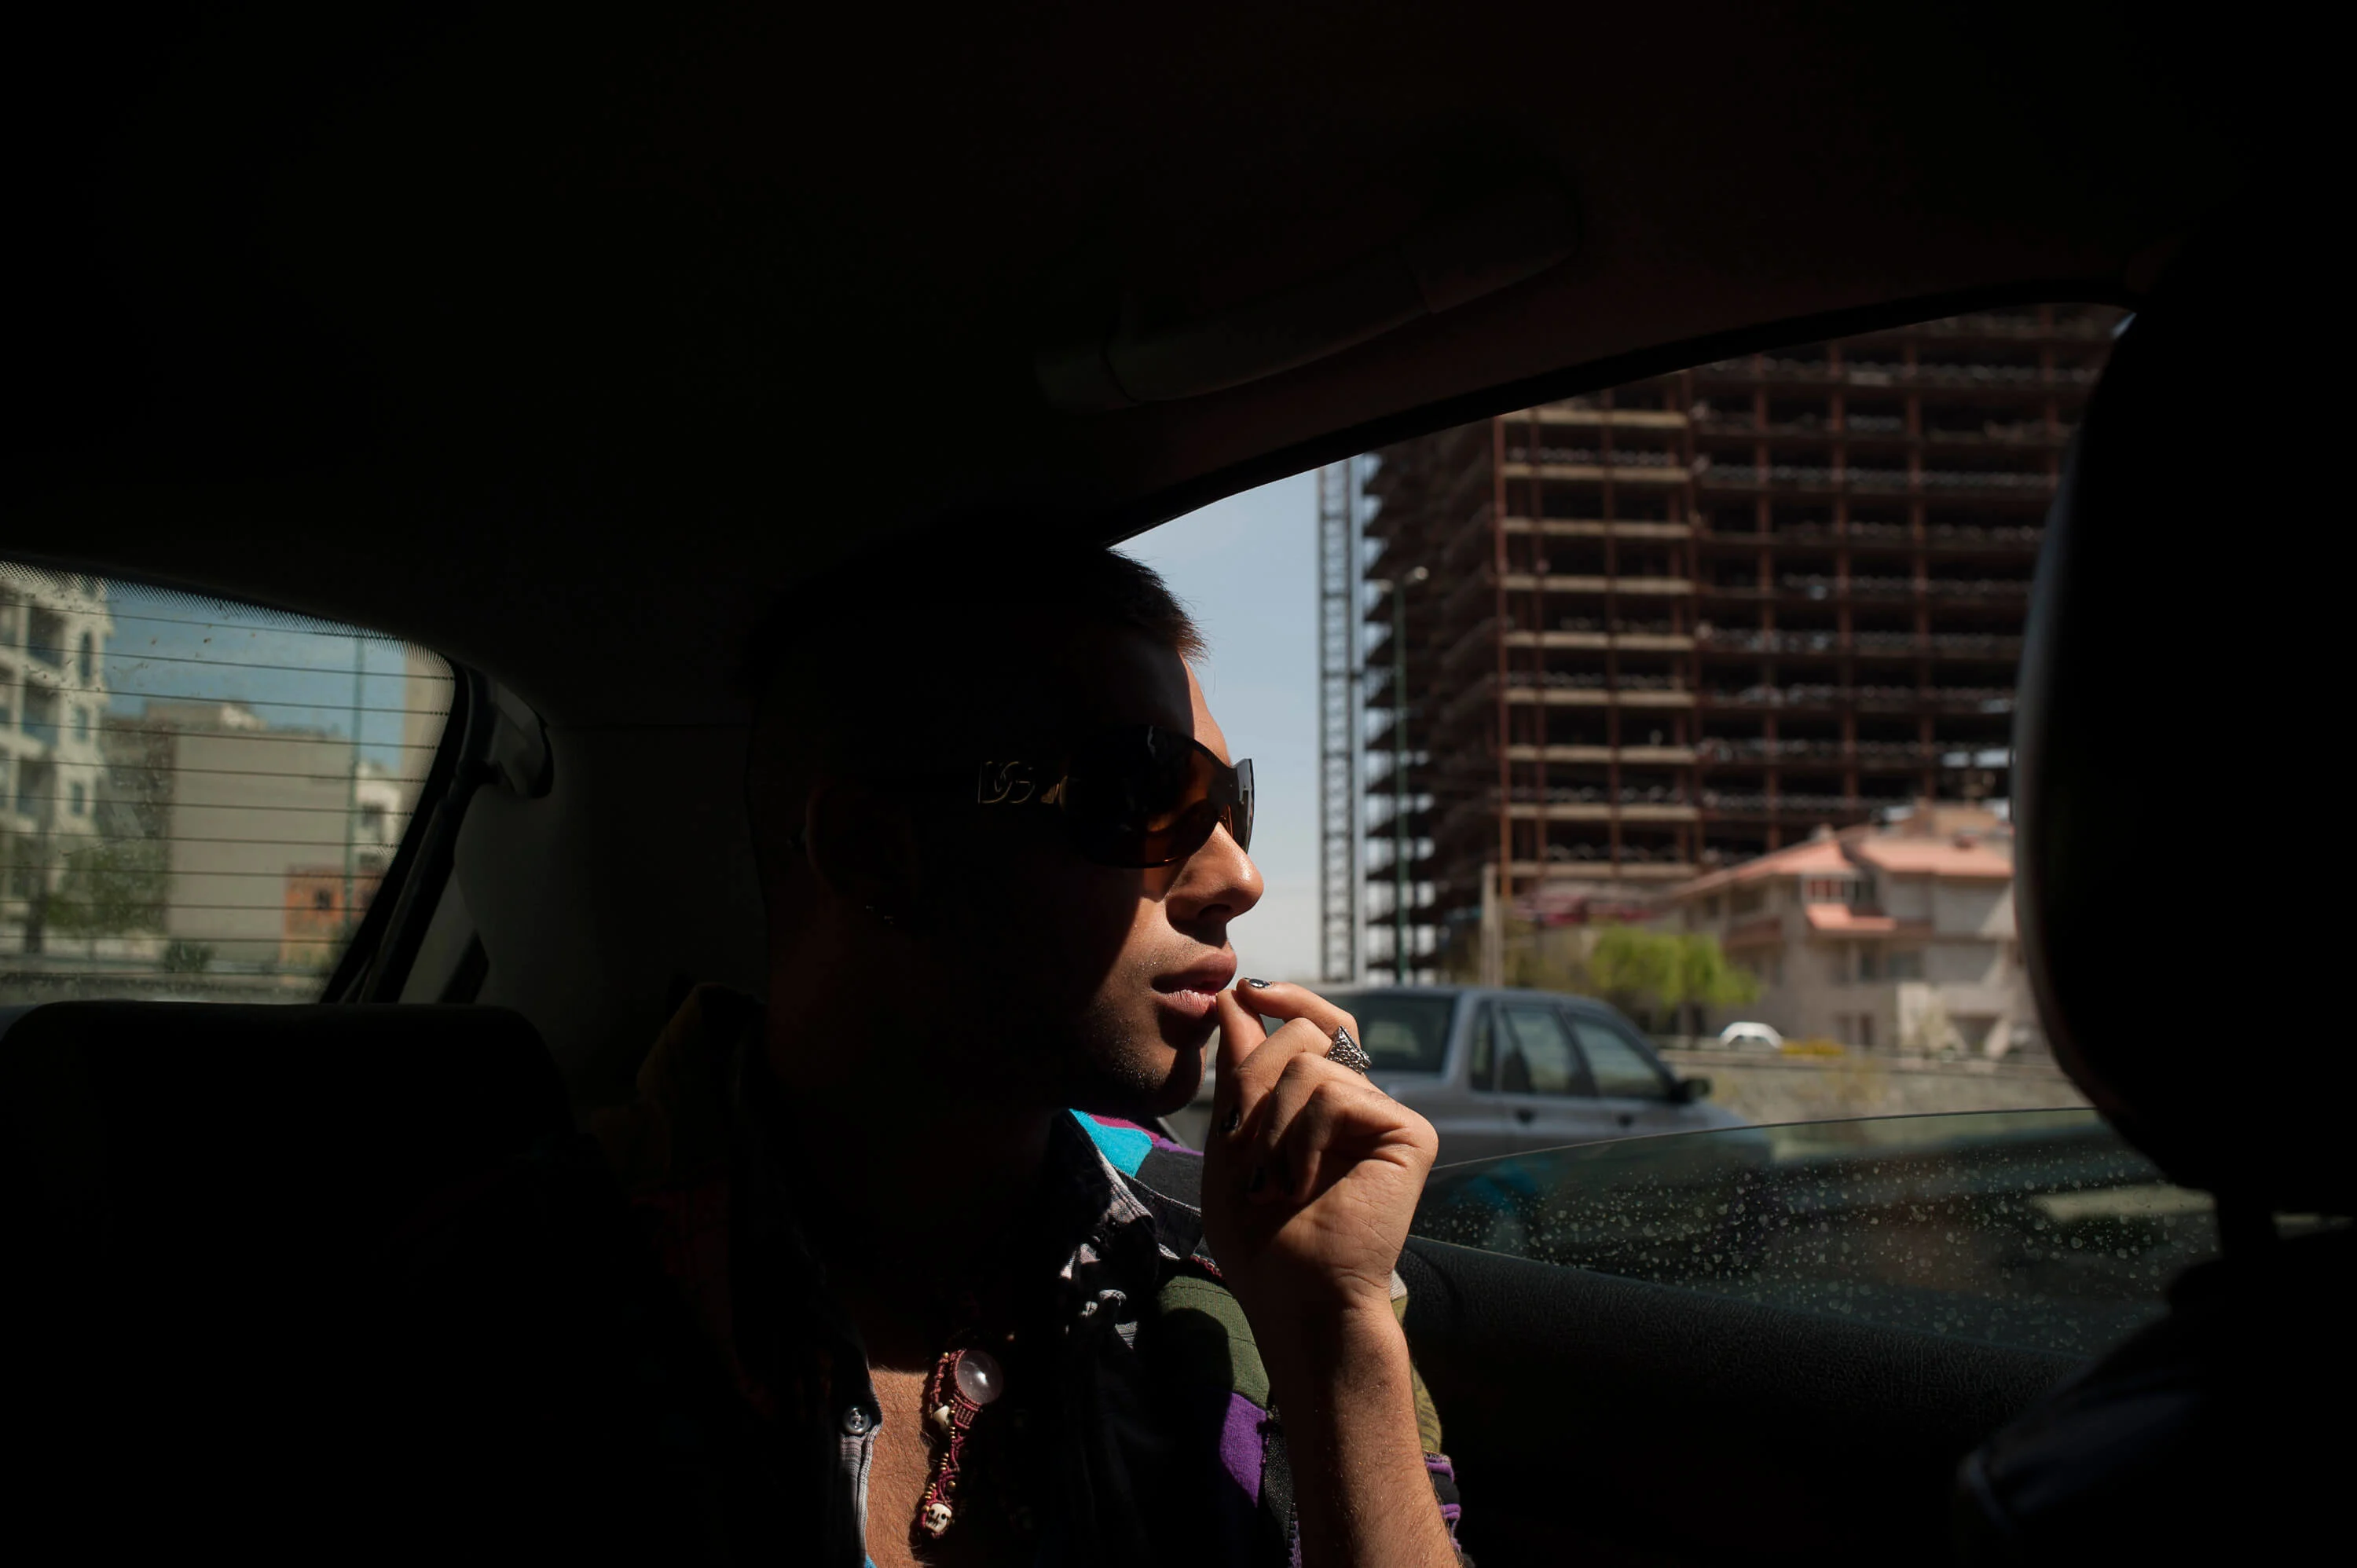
x=1349 y=1053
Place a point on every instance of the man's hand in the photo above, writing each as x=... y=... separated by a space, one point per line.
x=1312 y=1173
x=1310 y=1180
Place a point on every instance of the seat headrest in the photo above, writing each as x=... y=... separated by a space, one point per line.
x=2179 y=830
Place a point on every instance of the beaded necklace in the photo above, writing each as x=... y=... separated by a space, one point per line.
x=964 y=1382
x=969 y=1377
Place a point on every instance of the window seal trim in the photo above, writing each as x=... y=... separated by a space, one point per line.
x=393 y=929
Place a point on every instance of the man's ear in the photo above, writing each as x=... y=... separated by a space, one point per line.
x=862 y=847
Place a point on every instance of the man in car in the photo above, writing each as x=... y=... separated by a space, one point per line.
x=964 y=1298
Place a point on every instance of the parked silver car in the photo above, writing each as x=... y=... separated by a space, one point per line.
x=1499 y=1071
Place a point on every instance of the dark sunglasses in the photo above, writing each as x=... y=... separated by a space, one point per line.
x=1137 y=797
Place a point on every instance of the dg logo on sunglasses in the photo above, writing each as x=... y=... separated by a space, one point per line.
x=1010 y=785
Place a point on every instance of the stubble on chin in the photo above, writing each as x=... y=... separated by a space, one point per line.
x=1137 y=1068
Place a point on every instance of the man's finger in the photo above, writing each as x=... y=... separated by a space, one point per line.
x=1247 y=1066
x=1259 y=1072
x=1276 y=999
x=1265 y=1123
x=1296 y=1124
x=1241 y=1033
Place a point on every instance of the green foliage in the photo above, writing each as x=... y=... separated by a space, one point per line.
x=110 y=888
x=187 y=957
x=1634 y=969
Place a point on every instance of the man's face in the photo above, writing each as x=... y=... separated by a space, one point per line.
x=1088 y=984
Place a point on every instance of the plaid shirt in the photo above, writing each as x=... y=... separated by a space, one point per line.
x=1151 y=1436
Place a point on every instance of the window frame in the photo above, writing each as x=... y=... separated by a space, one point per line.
x=376 y=962
x=1480 y=1032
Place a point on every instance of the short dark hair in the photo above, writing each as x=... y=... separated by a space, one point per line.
x=833 y=668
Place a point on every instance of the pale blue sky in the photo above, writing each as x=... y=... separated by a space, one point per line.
x=1247 y=567
x=295 y=673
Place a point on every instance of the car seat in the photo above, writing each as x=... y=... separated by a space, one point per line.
x=203 y=1199
x=2185 y=577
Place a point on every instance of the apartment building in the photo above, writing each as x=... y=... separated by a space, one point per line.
x=1621 y=641
x=54 y=627
x=273 y=841
x=1893 y=937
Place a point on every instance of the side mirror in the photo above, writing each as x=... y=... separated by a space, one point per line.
x=1689 y=1089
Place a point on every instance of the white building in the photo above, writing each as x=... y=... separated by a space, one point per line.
x=54 y=627
x=1895 y=937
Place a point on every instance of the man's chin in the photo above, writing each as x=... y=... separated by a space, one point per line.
x=1153 y=1077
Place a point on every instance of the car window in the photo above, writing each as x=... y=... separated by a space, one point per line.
x=1617 y=1066
x=1691 y=694
x=197 y=801
x=2042 y=1230
x=1485 y=1051
x=1402 y=1034
x=1538 y=1055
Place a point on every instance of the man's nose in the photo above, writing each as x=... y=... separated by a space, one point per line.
x=1215 y=884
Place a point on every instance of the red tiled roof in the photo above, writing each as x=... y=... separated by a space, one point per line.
x=1841 y=920
x=1811 y=854
x=1904 y=856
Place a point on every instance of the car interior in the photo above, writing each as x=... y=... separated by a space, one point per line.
x=563 y=344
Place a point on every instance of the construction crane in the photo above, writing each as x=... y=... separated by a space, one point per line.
x=1338 y=720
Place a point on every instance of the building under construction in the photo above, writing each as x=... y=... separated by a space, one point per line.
x=1670 y=626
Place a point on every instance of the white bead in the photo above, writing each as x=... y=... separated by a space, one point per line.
x=978 y=1377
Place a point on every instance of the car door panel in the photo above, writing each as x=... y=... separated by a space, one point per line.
x=1465 y=1111
x=1600 y=1420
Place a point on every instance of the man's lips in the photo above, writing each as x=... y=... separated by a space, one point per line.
x=1194 y=993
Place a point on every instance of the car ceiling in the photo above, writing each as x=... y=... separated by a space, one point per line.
x=565 y=341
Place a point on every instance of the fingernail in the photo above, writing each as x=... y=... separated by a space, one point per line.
x=1256 y=984
x=1235 y=1120
x=1259 y=1180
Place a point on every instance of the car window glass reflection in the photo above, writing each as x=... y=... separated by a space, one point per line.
x=1540 y=1058
x=2038 y=1228
x=1402 y=1034
x=1619 y=1068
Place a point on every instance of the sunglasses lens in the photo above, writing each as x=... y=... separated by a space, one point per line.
x=1149 y=797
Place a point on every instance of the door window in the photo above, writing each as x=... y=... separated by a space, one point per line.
x=1401 y=1033
x=1539 y=1055
x=1619 y=1067
x=1724 y=607
x=2038 y=1228
x=204 y=797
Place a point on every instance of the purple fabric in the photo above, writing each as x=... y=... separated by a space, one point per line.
x=1239 y=1445
x=1438 y=1465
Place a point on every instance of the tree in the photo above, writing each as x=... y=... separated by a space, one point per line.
x=109 y=888
x=1633 y=968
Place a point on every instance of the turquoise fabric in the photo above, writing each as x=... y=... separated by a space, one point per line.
x=1124 y=1146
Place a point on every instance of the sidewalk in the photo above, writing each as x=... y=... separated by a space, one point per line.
x=1764 y=1087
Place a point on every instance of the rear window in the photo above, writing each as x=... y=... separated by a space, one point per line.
x=1402 y=1034
x=198 y=800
